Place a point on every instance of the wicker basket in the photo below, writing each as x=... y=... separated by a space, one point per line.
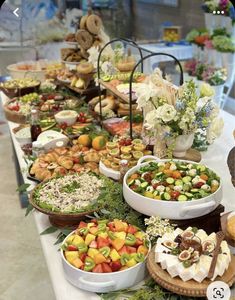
x=14 y=116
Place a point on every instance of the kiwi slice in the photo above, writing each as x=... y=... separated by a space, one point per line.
x=130 y=239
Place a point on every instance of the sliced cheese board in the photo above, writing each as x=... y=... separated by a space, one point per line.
x=189 y=288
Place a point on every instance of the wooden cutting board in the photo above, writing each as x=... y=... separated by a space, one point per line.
x=189 y=288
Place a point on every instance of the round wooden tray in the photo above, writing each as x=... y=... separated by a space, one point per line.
x=189 y=288
x=59 y=219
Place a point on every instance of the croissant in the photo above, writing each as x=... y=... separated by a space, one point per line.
x=92 y=166
x=51 y=157
x=59 y=171
x=65 y=162
x=61 y=150
x=76 y=148
x=92 y=157
x=42 y=174
x=78 y=168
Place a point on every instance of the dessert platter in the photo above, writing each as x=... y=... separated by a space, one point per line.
x=124 y=210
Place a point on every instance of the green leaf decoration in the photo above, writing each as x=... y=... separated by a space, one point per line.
x=28 y=209
x=49 y=230
x=23 y=188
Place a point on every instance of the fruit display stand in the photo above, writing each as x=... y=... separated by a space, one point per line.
x=214 y=158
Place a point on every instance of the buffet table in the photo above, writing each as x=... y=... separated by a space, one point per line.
x=215 y=157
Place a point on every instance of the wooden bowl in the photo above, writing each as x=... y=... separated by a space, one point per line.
x=18 y=92
x=60 y=219
x=14 y=116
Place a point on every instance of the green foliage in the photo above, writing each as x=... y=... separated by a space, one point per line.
x=150 y=291
x=114 y=206
x=23 y=188
x=223 y=44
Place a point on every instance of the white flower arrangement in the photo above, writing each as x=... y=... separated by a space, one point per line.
x=177 y=111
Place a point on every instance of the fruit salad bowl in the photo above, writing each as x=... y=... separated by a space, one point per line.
x=96 y=263
x=173 y=189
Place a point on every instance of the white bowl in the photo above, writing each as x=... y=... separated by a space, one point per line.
x=109 y=172
x=174 y=210
x=26 y=139
x=49 y=138
x=66 y=116
x=15 y=73
x=103 y=282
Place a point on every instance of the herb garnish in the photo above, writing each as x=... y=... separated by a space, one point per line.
x=71 y=187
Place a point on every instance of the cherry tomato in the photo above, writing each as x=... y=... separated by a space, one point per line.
x=82 y=114
x=63 y=125
x=198 y=185
x=175 y=194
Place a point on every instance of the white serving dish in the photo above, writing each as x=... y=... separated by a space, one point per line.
x=174 y=210
x=49 y=138
x=66 y=116
x=109 y=172
x=23 y=140
x=103 y=282
x=15 y=73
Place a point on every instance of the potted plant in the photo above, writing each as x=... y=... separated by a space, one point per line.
x=175 y=114
x=216 y=78
x=226 y=47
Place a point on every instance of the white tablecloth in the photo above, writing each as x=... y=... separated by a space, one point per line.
x=215 y=158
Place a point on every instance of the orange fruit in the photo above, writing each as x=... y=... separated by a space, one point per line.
x=84 y=140
x=99 y=143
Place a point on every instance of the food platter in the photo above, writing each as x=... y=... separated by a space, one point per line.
x=190 y=288
x=58 y=218
x=184 y=190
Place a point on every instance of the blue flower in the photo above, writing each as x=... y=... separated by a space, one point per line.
x=179 y=105
x=232 y=12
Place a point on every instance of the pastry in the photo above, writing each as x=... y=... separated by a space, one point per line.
x=85 y=68
x=61 y=150
x=50 y=157
x=93 y=24
x=84 y=38
x=92 y=157
x=59 y=171
x=65 y=162
x=107 y=104
x=83 y=22
x=95 y=100
x=42 y=174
